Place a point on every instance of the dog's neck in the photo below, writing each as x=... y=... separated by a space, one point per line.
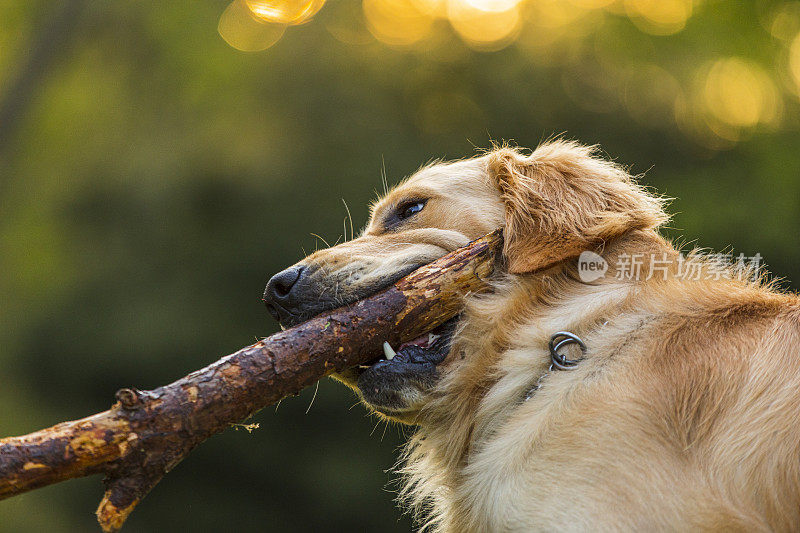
x=471 y=399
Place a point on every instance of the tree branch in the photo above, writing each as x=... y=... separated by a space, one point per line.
x=146 y=433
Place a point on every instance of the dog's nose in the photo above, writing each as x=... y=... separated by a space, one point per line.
x=278 y=295
x=279 y=287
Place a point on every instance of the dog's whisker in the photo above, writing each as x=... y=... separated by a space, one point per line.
x=322 y=239
x=375 y=427
x=383 y=176
x=316 y=389
x=350 y=218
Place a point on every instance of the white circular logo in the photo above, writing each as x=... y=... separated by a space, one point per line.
x=591 y=266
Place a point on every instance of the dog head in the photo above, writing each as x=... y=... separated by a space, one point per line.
x=552 y=204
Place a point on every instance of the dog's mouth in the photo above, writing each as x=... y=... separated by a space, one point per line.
x=397 y=382
x=394 y=383
x=428 y=349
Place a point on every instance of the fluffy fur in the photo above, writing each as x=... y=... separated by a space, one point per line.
x=683 y=414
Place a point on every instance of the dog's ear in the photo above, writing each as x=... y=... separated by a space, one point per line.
x=563 y=199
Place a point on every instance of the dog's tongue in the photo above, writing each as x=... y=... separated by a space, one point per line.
x=423 y=342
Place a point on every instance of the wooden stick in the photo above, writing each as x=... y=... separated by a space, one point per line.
x=146 y=433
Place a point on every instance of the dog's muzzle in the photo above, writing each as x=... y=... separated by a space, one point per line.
x=390 y=380
x=303 y=291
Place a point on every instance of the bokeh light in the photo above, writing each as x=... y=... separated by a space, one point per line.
x=245 y=32
x=485 y=24
x=794 y=62
x=291 y=12
x=436 y=8
x=716 y=105
x=730 y=98
x=592 y=4
x=782 y=21
x=398 y=22
x=554 y=13
x=740 y=94
x=492 y=5
x=659 y=17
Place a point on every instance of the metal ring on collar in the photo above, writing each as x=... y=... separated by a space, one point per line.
x=558 y=341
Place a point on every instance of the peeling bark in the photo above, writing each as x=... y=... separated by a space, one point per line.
x=146 y=433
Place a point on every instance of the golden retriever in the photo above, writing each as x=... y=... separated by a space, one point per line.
x=680 y=415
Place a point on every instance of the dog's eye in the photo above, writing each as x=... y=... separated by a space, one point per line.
x=410 y=209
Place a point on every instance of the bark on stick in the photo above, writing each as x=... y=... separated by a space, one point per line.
x=146 y=433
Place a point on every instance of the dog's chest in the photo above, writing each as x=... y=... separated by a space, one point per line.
x=549 y=460
x=522 y=474
x=538 y=463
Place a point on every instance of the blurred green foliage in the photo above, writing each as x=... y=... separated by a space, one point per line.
x=156 y=177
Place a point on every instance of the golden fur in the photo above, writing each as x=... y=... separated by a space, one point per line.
x=683 y=414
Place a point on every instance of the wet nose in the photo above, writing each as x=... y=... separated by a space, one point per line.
x=279 y=295
x=279 y=287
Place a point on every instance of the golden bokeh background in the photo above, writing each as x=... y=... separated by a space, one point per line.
x=717 y=103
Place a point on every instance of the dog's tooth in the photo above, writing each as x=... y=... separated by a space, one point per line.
x=388 y=351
